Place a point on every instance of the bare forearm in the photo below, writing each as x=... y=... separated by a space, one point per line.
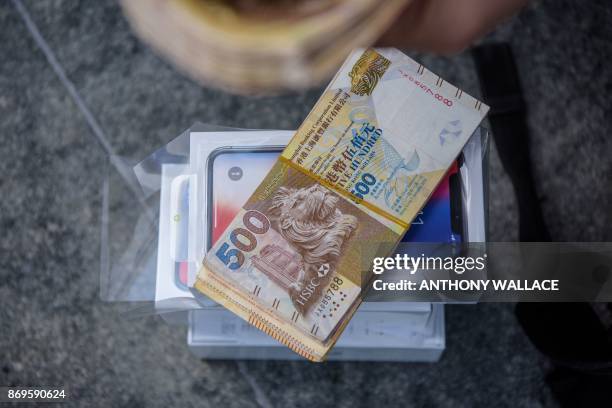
x=447 y=26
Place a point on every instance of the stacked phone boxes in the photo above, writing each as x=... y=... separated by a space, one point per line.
x=378 y=334
x=379 y=331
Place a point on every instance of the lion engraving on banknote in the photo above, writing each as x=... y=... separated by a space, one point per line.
x=309 y=219
x=367 y=71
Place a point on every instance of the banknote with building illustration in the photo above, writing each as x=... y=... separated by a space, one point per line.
x=294 y=261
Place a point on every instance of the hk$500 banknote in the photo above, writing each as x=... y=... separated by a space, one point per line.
x=296 y=260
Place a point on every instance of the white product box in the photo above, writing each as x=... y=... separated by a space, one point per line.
x=370 y=336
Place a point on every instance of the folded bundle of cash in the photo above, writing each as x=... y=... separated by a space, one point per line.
x=296 y=261
x=253 y=46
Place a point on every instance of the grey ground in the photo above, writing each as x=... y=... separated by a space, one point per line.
x=54 y=330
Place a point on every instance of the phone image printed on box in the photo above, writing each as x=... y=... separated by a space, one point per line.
x=234 y=173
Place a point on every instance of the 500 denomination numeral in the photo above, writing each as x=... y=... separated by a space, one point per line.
x=244 y=239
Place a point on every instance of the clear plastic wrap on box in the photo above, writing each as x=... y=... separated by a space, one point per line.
x=160 y=215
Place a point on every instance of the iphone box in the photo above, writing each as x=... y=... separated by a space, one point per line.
x=199 y=199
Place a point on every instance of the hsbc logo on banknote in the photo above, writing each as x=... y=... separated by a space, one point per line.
x=323 y=270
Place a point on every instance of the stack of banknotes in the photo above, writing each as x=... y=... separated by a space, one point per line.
x=252 y=46
x=296 y=260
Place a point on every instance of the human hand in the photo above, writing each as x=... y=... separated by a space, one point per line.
x=447 y=26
